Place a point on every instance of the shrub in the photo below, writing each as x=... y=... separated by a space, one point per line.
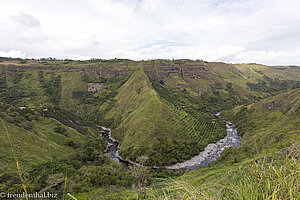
x=71 y=143
x=61 y=130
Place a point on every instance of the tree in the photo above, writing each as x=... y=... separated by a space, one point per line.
x=3 y=87
x=141 y=174
x=51 y=87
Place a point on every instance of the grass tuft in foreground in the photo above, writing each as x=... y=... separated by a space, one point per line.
x=265 y=178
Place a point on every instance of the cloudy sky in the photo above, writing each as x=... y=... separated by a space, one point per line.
x=261 y=31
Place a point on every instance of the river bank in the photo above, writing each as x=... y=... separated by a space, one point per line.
x=210 y=153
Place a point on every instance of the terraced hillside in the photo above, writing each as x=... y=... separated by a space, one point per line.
x=265 y=165
x=158 y=108
x=51 y=110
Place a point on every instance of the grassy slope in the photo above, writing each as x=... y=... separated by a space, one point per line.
x=144 y=116
x=272 y=177
x=267 y=128
x=197 y=76
x=270 y=124
x=149 y=125
x=137 y=113
x=264 y=130
x=194 y=76
x=141 y=109
x=71 y=81
x=38 y=144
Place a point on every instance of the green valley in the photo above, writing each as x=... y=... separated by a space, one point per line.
x=160 y=112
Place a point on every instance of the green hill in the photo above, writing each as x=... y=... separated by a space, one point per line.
x=33 y=138
x=268 y=125
x=264 y=166
x=161 y=109
x=153 y=107
x=38 y=153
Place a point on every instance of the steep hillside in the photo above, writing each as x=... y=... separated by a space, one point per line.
x=33 y=138
x=160 y=109
x=268 y=125
x=144 y=118
x=37 y=153
x=222 y=86
x=154 y=108
x=265 y=165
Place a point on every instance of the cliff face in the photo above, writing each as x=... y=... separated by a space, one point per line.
x=158 y=108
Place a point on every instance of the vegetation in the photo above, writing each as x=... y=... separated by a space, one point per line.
x=3 y=87
x=52 y=87
x=91 y=79
x=82 y=159
x=264 y=178
x=268 y=125
x=273 y=86
x=158 y=109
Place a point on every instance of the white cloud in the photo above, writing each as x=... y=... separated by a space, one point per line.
x=12 y=54
x=268 y=57
x=217 y=30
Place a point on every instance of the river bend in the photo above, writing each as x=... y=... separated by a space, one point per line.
x=210 y=153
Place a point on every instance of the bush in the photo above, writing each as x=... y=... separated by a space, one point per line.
x=113 y=174
x=71 y=143
x=61 y=130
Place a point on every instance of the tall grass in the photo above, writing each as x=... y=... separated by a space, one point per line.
x=276 y=178
x=16 y=159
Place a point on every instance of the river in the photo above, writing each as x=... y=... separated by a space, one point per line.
x=210 y=153
x=112 y=148
x=112 y=144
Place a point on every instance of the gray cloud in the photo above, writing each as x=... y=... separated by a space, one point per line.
x=25 y=19
x=215 y=30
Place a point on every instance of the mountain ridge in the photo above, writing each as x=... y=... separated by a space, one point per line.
x=158 y=110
